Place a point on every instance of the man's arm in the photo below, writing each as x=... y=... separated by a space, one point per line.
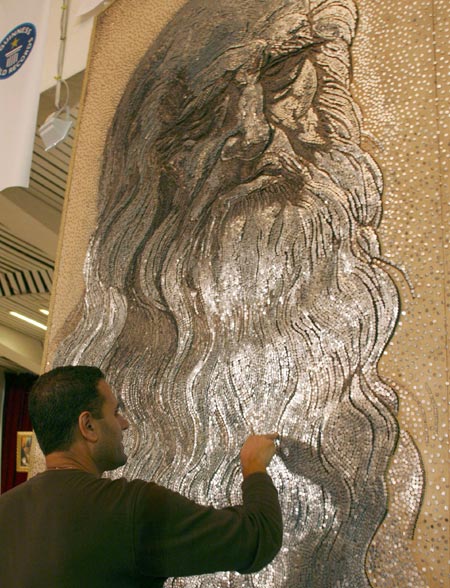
x=178 y=537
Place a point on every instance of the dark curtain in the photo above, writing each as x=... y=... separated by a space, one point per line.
x=15 y=418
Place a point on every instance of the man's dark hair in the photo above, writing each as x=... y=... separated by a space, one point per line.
x=57 y=399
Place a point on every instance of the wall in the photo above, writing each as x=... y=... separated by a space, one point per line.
x=399 y=82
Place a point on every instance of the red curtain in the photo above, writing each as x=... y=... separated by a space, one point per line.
x=15 y=418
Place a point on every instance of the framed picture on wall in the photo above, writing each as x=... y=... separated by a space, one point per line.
x=23 y=448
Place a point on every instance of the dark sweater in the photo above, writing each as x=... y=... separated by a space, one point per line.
x=67 y=529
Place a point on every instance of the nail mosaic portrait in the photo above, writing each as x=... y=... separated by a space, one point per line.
x=235 y=281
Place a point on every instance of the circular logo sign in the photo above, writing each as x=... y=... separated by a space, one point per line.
x=15 y=49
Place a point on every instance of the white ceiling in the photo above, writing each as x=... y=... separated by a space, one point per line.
x=30 y=218
x=79 y=29
x=29 y=226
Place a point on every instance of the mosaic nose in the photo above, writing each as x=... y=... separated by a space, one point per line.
x=253 y=132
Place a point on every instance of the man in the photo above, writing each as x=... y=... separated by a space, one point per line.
x=69 y=528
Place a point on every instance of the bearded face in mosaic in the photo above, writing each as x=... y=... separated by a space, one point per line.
x=232 y=284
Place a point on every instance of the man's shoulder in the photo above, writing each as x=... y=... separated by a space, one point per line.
x=13 y=494
x=15 y=500
x=77 y=482
x=78 y=486
x=73 y=482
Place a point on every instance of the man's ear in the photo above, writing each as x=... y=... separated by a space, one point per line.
x=86 y=425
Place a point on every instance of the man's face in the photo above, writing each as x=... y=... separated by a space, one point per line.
x=109 y=451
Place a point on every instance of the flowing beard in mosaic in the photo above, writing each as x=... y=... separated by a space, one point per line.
x=270 y=336
x=233 y=283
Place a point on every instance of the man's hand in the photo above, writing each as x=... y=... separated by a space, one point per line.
x=257 y=452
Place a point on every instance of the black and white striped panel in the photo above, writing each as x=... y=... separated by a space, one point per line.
x=37 y=281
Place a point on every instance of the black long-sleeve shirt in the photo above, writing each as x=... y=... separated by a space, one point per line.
x=68 y=528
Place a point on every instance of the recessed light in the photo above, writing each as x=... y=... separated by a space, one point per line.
x=28 y=320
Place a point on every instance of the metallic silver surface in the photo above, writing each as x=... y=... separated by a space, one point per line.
x=234 y=284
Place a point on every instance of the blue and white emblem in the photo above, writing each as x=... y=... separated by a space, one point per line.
x=15 y=49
